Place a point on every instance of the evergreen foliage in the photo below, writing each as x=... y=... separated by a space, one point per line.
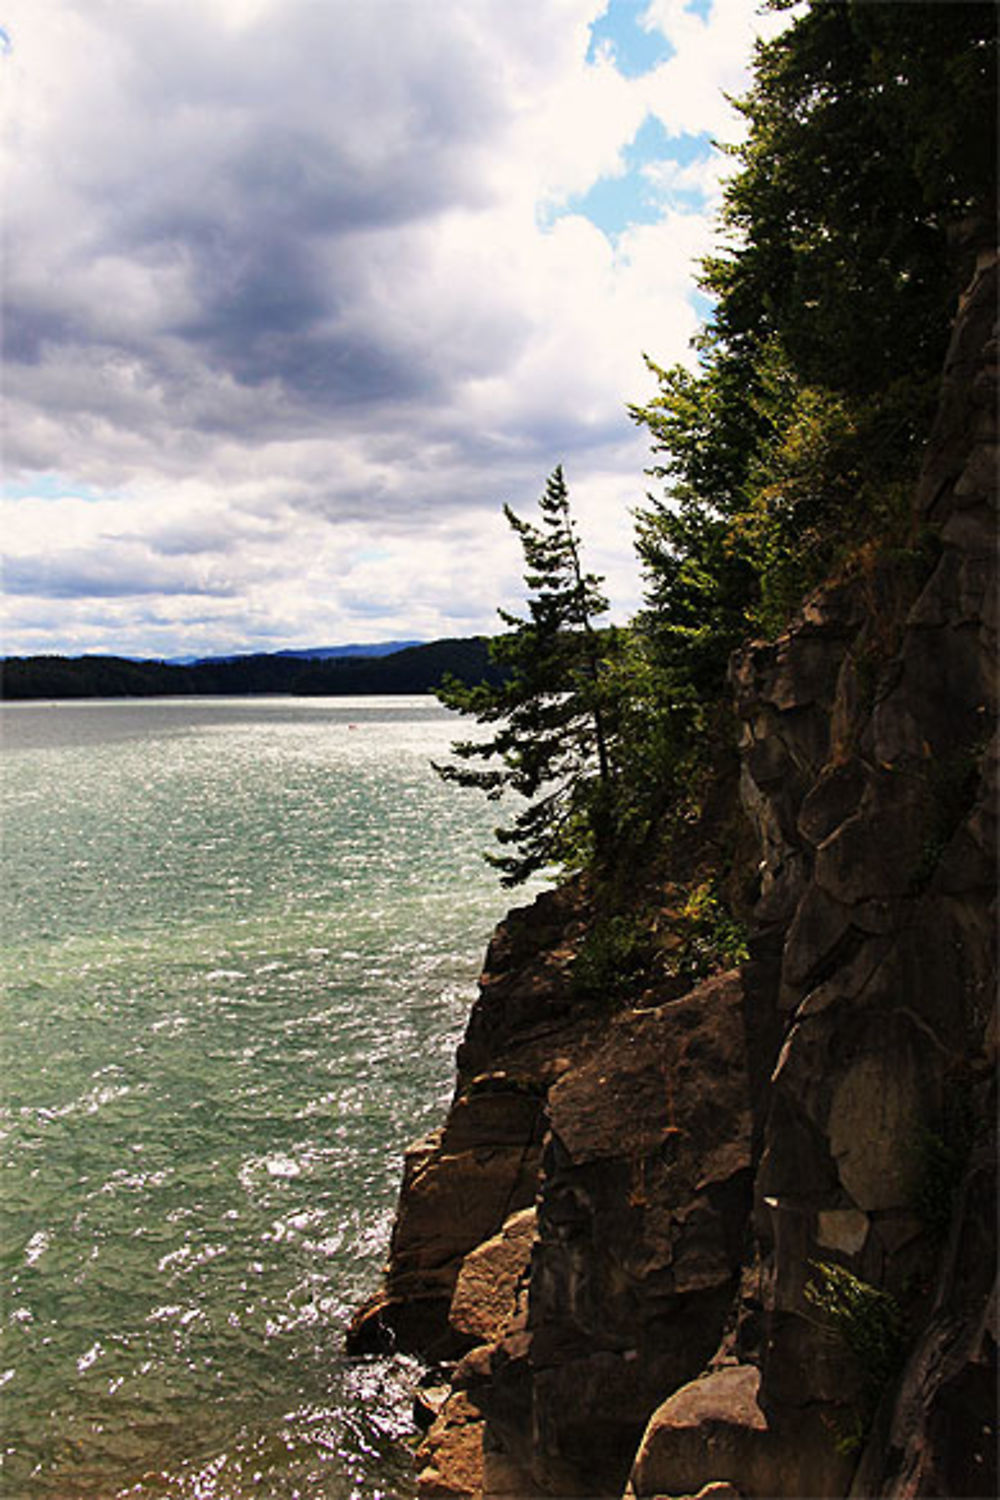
x=787 y=457
x=555 y=735
x=871 y=141
x=788 y=454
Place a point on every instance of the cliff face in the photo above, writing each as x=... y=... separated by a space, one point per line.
x=869 y=755
x=740 y=1240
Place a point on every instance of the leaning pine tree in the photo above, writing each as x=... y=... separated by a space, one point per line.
x=553 y=741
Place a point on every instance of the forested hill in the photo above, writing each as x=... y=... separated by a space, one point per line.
x=416 y=669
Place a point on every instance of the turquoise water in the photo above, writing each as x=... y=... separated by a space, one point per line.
x=239 y=939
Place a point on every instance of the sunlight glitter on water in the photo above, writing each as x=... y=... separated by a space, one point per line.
x=240 y=946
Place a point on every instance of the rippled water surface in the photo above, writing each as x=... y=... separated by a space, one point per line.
x=239 y=941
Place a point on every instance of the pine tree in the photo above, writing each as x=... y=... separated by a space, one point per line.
x=553 y=742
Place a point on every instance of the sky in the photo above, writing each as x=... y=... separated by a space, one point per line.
x=297 y=293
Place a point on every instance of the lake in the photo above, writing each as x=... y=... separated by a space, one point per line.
x=240 y=938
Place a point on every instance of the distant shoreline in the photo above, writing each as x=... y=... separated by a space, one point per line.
x=413 y=669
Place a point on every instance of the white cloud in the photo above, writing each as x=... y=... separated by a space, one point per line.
x=280 y=292
x=688 y=92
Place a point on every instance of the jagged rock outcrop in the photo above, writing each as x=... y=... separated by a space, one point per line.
x=618 y=1285
x=633 y=1249
x=621 y=1231
x=461 y=1183
x=643 y=1202
x=870 y=771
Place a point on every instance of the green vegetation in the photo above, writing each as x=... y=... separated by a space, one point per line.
x=786 y=456
x=795 y=443
x=613 y=956
x=588 y=734
x=415 y=669
x=711 y=936
x=557 y=736
x=869 y=1323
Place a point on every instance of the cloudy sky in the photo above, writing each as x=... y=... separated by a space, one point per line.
x=298 y=292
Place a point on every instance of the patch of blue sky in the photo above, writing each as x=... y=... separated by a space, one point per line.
x=634 y=195
x=49 y=486
x=703 y=306
x=634 y=50
x=654 y=143
x=614 y=204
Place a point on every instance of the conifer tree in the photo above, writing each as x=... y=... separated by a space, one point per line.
x=553 y=742
x=866 y=182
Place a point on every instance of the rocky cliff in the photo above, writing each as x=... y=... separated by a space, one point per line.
x=736 y=1235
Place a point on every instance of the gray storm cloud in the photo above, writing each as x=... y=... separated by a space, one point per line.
x=240 y=172
x=288 y=260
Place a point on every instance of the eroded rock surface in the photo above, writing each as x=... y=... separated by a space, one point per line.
x=462 y=1183
x=620 y=1228
x=643 y=1201
x=869 y=757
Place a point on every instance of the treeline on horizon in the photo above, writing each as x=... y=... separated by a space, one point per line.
x=415 y=669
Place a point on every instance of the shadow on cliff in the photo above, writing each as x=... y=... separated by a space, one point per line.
x=734 y=1235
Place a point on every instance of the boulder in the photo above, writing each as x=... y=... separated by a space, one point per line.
x=712 y=1438
x=459 y=1186
x=485 y=1293
x=450 y=1459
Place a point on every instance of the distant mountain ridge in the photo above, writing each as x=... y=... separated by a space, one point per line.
x=394 y=670
x=306 y=653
